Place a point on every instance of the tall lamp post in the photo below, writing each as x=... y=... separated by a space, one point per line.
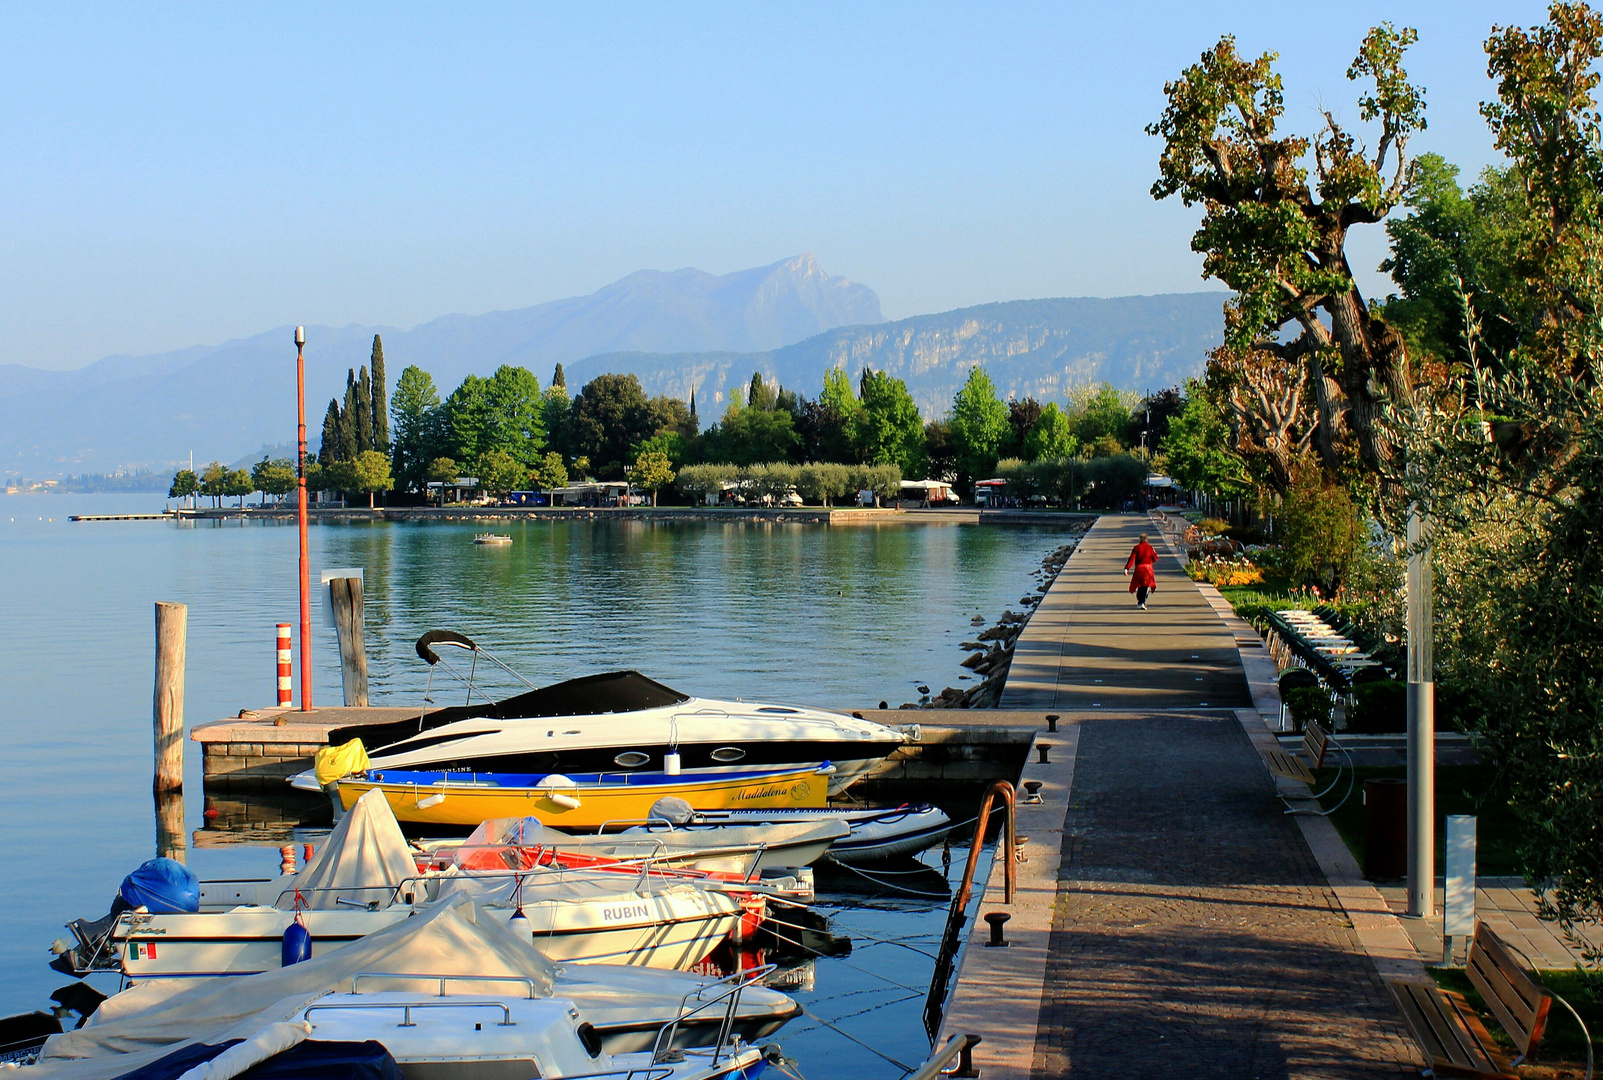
x=300 y=473
x=1421 y=722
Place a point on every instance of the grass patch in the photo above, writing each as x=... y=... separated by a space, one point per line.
x=1460 y=789
x=1563 y=1040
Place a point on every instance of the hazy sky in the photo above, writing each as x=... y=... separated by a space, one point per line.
x=182 y=174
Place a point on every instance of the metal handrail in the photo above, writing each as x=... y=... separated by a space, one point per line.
x=1010 y=872
x=958 y=1046
x=526 y=980
x=408 y=1006
x=731 y=993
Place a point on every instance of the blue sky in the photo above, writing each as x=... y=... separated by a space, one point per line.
x=182 y=174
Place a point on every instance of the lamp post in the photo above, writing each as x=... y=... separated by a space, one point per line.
x=300 y=473
x=1421 y=722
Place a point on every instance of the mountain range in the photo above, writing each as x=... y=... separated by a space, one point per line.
x=678 y=331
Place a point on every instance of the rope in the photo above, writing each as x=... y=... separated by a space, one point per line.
x=848 y=1035
x=891 y=885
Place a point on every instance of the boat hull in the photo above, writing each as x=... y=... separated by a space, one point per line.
x=672 y=929
x=594 y=805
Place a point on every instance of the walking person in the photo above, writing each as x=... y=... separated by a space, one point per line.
x=1144 y=580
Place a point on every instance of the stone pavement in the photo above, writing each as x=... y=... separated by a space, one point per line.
x=1192 y=931
x=1087 y=646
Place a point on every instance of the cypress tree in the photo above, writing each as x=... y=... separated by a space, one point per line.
x=693 y=407
x=331 y=434
x=347 y=446
x=381 y=409
x=364 y=412
x=559 y=379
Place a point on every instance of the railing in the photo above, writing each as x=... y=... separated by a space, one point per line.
x=957 y=915
x=960 y=1047
x=527 y=980
x=738 y=983
x=406 y=1008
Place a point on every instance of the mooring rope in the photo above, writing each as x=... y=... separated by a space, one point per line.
x=848 y=1035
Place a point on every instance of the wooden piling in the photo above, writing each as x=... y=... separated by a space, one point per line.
x=345 y=594
x=171 y=840
x=172 y=623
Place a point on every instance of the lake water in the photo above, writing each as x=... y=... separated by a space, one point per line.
x=839 y=617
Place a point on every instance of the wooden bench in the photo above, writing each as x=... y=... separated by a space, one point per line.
x=1316 y=743
x=1453 y=1036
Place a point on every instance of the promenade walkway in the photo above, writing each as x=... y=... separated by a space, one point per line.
x=1190 y=930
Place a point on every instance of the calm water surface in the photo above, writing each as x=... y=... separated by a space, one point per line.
x=839 y=617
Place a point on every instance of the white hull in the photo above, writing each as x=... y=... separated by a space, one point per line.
x=670 y=928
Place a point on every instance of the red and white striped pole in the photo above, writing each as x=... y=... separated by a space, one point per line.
x=284 y=675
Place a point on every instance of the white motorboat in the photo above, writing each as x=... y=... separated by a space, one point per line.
x=438 y=991
x=365 y=879
x=613 y=725
x=874 y=834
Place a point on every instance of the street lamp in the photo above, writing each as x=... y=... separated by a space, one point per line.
x=1421 y=721
x=300 y=473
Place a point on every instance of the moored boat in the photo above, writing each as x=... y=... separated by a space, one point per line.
x=875 y=834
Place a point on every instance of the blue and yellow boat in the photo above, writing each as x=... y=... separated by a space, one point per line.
x=581 y=802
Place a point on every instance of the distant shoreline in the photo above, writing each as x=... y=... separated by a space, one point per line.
x=807 y=515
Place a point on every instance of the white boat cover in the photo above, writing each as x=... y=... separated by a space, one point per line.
x=364 y=859
x=145 y=1022
x=503 y=889
x=269 y=1042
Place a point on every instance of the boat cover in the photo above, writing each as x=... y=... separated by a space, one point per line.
x=364 y=859
x=141 y=1024
x=591 y=695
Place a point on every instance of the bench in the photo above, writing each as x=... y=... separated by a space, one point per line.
x=1452 y=1035
x=1316 y=743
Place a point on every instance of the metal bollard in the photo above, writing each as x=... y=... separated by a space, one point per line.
x=1052 y=721
x=1032 y=791
x=996 y=919
x=1043 y=749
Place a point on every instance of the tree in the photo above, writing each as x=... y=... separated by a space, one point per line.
x=610 y=415
x=442 y=470
x=700 y=481
x=884 y=481
x=498 y=471
x=370 y=473
x=1280 y=244
x=667 y=415
x=365 y=435
x=1197 y=449
x=328 y=450
x=238 y=484
x=556 y=414
x=186 y=485
x=350 y=435
x=940 y=453
x=467 y=418
x=514 y=408
x=671 y=444
x=1101 y=411
x=381 y=415
x=275 y=477
x=650 y=472
x=825 y=481
x=888 y=429
x=746 y=436
x=339 y=476
x=415 y=410
x=1051 y=436
x=212 y=482
x=551 y=472
x=1021 y=417
x=1320 y=530
x=979 y=425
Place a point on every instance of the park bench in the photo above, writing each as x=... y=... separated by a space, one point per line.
x=1452 y=1035
x=1316 y=743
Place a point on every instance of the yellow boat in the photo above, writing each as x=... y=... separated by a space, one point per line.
x=584 y=803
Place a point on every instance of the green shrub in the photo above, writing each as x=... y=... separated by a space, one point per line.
x=1378 y=708
x=1309 y=703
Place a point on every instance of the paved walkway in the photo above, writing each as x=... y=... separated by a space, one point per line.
x=1088 y=647
x=1192 y=933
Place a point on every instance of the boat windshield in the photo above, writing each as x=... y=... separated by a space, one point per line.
x=608 y=692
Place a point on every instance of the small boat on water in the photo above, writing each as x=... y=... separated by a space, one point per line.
x=492 y=538
x=449 y=992
x=366 y=879
x=873 y=834
x=620 y=728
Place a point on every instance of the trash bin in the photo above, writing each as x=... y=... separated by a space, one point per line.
x=1385 y=829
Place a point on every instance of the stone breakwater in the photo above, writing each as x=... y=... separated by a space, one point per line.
x=991 y=651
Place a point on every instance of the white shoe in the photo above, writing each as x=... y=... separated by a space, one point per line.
x=1143 y=607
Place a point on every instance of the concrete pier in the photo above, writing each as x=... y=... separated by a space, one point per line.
x=1171 y=920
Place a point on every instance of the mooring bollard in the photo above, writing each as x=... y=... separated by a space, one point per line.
x=1043 y=749
x=172 y=624
x=345 y=594
x=284 y=673
x=996 y=919
x=1052 y=721
x=1032 y=791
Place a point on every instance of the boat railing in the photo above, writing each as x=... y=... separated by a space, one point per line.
x=406 y=1008
x=733 y=986
x=527 y=981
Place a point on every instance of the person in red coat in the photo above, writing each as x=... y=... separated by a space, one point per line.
x=1143 y=581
